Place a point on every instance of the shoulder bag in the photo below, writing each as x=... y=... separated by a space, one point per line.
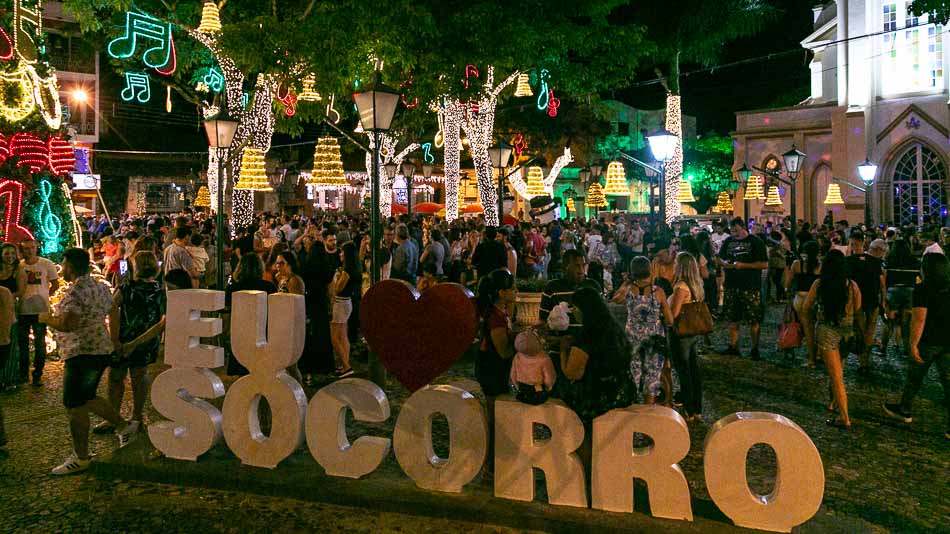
x=694 y=319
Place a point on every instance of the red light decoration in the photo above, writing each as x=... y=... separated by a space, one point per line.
x=6 y=49
x=553 y=103
x=4 y=148
x=288 y=99
x=62 y=159
x=520 y=145
x=408 y=85
x=31 y=151
x=11 y=192
x=172 y=61
x=470 y=70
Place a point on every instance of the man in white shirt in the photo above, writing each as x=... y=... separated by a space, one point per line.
x=42 y=280
x=931 y=245
x=635 y=237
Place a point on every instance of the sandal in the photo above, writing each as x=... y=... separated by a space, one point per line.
x=837 y=423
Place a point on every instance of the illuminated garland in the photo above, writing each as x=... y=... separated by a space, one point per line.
x=31 y=151
x=203 y=198
x=562 y=161
x=327 y=165
x=62 y=158
x=616 y=180
x=387 y=154
x=674 y=167
x=210 y=18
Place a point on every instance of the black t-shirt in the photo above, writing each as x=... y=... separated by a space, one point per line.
x=748 y=250
x=866 y=271
x=937 y=303
x=488 y=256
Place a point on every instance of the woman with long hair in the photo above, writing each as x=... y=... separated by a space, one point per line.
x=901 y=269
x=12 y=277
x=597 y=361
x=496 y=292
x=288 y=281
x=837 y=298
x=687 y=288
x=929 y=336
x=799 y=278
x=346 y=285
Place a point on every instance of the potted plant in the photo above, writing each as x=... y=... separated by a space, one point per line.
x=527 y=309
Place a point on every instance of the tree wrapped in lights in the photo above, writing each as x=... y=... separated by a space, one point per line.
x=387 y=154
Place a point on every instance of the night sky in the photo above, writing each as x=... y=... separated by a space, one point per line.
x=714 y=97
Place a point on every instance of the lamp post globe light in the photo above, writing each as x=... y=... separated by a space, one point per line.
x=220 y=131
x=794 y=159
x=376 y=106
x=663 y=147
x=408 y=172
x=499 y=155
x=427 y=174
x=867 y=171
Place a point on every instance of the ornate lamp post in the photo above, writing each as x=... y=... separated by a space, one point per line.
x=867 y=171
x=584 y=176
x=220 y=131
x=793 y=165
x=744 y=174
x=408 y=172
x=499 y=155
x=427 y=174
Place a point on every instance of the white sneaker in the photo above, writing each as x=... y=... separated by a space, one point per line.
x=72 y=465
x=126 y=434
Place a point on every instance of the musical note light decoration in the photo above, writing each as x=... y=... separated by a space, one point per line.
x=427 y=156
x=137 y=87
x=51 y=226
x=142 y=27
x=24 y=42
x=214 y=79
x=11 y=193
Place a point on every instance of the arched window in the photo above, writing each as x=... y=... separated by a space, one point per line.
x=920 y=187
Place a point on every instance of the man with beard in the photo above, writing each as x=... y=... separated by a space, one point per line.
x=317 y=271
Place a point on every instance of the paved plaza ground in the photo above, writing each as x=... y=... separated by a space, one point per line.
x=883 y=476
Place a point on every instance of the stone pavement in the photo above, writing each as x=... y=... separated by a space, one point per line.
x=883 y=476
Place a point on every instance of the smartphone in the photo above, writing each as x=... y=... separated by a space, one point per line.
x=123 y=267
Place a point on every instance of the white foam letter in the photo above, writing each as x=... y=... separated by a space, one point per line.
x=267 y=336
x=326 y=427
x=468 y=438
x=617 y=463
x=517 y=452
x=799 y=473
x=184 y=328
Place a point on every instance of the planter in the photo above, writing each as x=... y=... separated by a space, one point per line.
x=527 y=309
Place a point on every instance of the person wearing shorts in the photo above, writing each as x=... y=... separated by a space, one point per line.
x=79 y=321
x=346 y=285
x=743 y=256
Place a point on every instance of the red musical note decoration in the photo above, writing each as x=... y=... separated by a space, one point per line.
x=288 y=99
x=62 y=159
x=470 y=70
x=31 y=151
x=408 y=85
x=11 y=192
x=173 y=60
x=553 y=103
x=520 y=145
x=6 y=46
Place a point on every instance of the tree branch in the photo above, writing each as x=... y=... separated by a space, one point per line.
x=306 y=12
x=507 y=81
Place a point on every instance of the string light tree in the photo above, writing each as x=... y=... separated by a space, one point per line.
x=34 y=156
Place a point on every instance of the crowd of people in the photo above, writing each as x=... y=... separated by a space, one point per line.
x=839 y=282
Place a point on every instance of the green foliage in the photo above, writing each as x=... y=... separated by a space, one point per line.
x=709 y=168
x=939 y=10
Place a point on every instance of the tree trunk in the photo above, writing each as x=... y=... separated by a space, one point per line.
x=674 y=124
x=451 y=160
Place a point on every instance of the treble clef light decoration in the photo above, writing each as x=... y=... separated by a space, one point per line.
x=332 y=114
x=553 y=103
x=544 y=96
x=51 y=226
x=470 y=70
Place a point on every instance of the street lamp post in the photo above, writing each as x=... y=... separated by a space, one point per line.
x=427 y=174
x=569 y=193
x=584 y=176
x=867 y=171
x=663 y=146
x=220 y=132
x=793 y=165
x=499 y=155
x=408 y=172
x=376 y=106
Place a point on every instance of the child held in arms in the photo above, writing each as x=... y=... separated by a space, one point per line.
x=532 y=372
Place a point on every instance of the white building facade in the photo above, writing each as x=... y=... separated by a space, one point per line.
x=879 y=91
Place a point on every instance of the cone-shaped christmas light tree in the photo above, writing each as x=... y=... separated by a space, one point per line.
x=524 y=87
x=616 y=180
x=253 y=175
x=210 y=20
x=327 y=165
x=773 y=199
x=535 y=182
x=753 y=189
x=309 y=94
x=684 y=192
x=570 y=204
x=595 y=196
x=834 y=195
x=724 y=203
x=203 y=199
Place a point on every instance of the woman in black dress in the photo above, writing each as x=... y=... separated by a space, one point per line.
x=12 y=277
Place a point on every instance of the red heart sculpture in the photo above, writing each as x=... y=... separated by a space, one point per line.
x=417 y=338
